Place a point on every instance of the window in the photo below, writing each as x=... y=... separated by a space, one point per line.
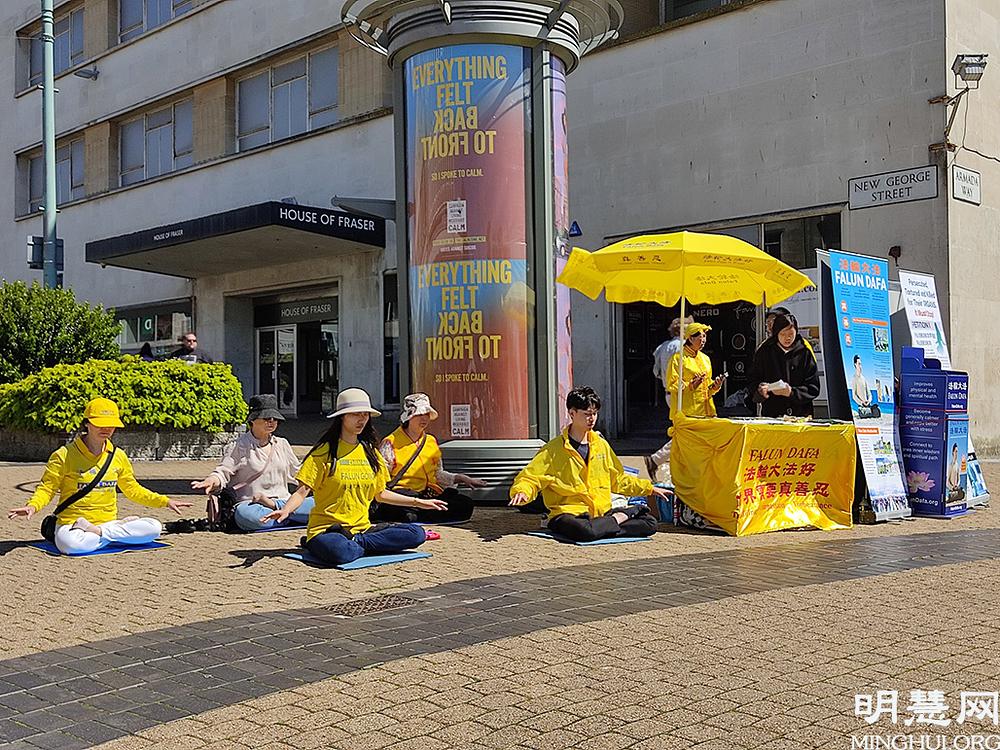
x=68 y=49
x=156 y=143
x=288 y=99
x=136 y=17
x=69 y=176
x=795 y=241
x=160 y=326
x=675 y=9
x=390 y=339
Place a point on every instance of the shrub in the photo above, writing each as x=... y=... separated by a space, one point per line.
x=170 y=394
x=45 y=327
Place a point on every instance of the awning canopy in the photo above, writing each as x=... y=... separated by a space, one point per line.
x=265 y=234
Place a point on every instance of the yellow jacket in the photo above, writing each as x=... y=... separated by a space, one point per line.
x=695 y=402
x=568 y=485
x=425 y=470
x=72 y=467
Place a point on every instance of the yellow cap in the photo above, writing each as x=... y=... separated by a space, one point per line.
x=693 y=329
x=103 y=412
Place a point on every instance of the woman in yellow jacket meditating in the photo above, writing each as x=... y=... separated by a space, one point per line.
x=576 y=473
x=699 y=386
x=91 y=522
x=414 y=460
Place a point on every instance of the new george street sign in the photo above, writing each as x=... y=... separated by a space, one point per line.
x=887 y=188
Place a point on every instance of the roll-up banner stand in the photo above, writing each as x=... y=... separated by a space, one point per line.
x=857 y=341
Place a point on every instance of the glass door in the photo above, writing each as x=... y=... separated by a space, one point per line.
x=276 y=373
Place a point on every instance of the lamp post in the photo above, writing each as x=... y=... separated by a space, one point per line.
x=970 y=69
x=49 y=275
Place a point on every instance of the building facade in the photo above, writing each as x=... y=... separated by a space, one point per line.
x=196 y=173
x=208 y=149
x=752 y=118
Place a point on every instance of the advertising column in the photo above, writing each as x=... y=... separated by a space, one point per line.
x=860 y=288
x=560 y=197
x=466 y=149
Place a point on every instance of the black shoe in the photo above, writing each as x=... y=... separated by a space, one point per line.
x=183 y=526
x=633 y=511
x=202 y=524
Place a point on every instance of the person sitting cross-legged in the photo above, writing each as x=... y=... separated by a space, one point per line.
x=414 y=460
x=345 y=472
x=258 y=468
x=576 y=473
x=92 y=470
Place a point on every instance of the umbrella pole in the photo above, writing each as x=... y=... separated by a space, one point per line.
x=760 y=406
x=680 y=368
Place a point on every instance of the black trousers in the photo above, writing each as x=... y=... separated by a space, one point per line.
x=583 y=528
x=460 y=509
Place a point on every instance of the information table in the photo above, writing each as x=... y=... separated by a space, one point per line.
x=756 y=475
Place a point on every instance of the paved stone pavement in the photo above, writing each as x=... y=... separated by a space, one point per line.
x=772 y=660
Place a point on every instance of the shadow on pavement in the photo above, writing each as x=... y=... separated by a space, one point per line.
x=251 y=557
x=172 y=486
x=6 y=547
x=28 y=488
x=495 y=523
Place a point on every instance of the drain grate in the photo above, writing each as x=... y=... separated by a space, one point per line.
x=362 y=607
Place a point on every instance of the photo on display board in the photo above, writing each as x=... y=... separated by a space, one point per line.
x=880 y=339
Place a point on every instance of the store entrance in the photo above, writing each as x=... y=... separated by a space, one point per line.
x=318 y=374
x=276 y=366
x=298 y=352
x=645 y=327
x=731 y=345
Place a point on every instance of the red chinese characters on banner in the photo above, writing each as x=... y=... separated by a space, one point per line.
x=777 y=480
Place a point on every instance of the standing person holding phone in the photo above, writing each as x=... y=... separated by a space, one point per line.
x=699 y=385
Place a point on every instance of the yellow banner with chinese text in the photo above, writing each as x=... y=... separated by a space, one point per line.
x=748 y=477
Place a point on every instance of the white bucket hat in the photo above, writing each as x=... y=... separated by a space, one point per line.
x=353 y=400
x=416 y=404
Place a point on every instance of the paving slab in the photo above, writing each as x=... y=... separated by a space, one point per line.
x=182 y=634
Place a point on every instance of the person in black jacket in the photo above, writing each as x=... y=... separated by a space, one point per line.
x=784 y=370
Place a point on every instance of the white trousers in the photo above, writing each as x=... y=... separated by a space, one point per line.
x=72 y=541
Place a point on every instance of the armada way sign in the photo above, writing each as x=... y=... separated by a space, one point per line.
x=887 y=188
x=966 y=185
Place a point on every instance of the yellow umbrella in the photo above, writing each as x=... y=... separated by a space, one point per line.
x=665 y=268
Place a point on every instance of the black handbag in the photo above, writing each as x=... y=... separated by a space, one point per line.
x=50 y=521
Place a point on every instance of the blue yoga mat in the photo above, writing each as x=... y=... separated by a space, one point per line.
x=368 y=561
x=112 y=549
x=279 y=528
x=609 y=540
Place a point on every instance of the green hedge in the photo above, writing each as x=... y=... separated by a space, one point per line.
x=47 y=327
x=171 y=394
